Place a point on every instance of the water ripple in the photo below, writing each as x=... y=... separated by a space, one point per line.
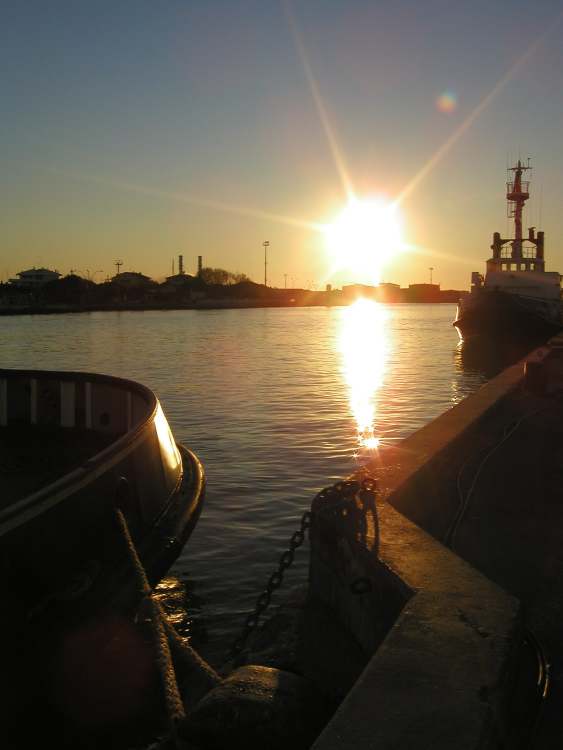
x=265 y=399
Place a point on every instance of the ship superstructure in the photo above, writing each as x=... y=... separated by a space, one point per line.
x=516 y=295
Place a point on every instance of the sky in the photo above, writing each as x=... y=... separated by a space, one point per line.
x=139 y=130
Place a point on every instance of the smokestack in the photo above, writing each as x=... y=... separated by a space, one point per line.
x=539 y=245
x=180 y=264
x=199 y=264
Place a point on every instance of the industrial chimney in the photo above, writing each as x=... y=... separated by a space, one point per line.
x=199 y=264
x=181 y=265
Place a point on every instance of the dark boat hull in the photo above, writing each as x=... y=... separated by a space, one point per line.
x=498 y=315
x=79 y=453
x=60 y=544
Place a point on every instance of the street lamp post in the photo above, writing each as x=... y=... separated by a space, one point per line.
x=266 y=245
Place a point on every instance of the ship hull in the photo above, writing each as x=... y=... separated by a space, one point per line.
x=499 y=315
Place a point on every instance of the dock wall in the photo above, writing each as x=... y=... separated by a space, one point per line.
x=442 y=641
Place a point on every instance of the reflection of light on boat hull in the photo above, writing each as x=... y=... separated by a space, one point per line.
x=363 y=349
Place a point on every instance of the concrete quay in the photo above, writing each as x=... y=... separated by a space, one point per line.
x=456 y=575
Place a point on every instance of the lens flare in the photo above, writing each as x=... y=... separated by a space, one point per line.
x=446 y=102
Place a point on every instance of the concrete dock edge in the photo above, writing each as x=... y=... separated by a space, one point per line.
x=444 y=640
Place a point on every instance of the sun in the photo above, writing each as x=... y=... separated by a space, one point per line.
x=364 y=237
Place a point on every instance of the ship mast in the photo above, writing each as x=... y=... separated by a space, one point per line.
x=517 y=194
x=509 y=254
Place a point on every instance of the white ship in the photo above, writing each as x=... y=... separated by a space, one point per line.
x=517 y=297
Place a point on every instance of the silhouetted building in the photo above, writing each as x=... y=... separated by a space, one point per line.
x=452 y=295
x=179 y=280
x=423 y=293
x=131 y=279
x=34 y=278
x=387 y=292
x=356 y=291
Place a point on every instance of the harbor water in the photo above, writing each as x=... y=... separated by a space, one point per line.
x=277 y=403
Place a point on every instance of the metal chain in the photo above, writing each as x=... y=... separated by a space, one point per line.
x=274 y=582
x=339 y=503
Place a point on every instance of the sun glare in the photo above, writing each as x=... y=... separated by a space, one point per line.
x=363 y=347
x=364 y=237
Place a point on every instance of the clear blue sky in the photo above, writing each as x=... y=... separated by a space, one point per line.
x=123 y=123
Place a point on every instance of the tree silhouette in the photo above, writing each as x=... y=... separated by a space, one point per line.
x=221 y=276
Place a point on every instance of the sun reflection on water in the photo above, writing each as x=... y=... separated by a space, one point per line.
x=363 y=346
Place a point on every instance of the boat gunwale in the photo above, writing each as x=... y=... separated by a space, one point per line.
x=89 y=470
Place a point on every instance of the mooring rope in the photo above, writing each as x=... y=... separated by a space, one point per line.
x=154 y=615
x=184 y=656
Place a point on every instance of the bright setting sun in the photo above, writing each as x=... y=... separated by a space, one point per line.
x=364 y=237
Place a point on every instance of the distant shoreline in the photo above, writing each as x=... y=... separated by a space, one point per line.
x=11 y=310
